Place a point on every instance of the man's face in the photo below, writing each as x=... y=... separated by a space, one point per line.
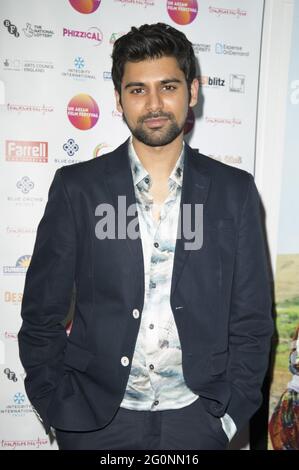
x=155 y=100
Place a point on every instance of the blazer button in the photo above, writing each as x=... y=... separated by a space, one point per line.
x=125 y=361
x=136 y=313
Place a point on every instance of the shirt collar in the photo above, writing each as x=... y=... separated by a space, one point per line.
x=139 y=172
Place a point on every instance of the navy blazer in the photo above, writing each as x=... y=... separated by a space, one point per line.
x=220 y=295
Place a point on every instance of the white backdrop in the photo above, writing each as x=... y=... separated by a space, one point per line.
x=55 y=59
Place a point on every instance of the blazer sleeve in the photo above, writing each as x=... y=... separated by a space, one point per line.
x=46 y=300
x=251 y=324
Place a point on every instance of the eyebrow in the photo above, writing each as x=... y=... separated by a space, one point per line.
x=163 y=82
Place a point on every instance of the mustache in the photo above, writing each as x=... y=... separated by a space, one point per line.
x=155 y=115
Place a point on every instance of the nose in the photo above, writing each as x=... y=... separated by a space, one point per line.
x=154 y=102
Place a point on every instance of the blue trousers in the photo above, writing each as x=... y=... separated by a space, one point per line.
x=191 y=427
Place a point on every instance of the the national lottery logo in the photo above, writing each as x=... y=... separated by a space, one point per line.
x=85 y=6
x=21 y=266
x=37 y=31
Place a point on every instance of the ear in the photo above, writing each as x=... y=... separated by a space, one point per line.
x=194 y=93
x=118 y=102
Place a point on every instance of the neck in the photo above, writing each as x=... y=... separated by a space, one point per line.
x=159 y=161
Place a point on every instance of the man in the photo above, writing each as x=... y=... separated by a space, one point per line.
x=170 y=338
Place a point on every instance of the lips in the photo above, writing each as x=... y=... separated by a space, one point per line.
x=155 y=122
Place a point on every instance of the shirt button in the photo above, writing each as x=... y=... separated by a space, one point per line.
x=153 y=285
x=136 y=313
x=156 y=244
x=146 y=180
x=147 y=208
x=151 y=326
x=156 y=402
x=125 y=361
x=151 y=367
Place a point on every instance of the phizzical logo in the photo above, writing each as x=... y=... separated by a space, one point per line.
x=94 y=34
x=26 y=151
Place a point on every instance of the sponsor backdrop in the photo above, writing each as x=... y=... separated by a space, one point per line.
x=58 y=109
x=284 y=398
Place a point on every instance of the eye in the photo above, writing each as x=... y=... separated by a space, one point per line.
x=137 y=91
x=170 y=87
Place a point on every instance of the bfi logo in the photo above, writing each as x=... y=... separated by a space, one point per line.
x=26 y=151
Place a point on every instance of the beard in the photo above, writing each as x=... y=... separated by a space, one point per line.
x=158 y=136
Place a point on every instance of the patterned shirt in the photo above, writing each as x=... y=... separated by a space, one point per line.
x=156 y=380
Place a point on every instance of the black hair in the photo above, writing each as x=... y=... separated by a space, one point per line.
x=152 y=41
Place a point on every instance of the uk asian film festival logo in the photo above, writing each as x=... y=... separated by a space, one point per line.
x=182 y=11
x=83 y=112
x=85 y=6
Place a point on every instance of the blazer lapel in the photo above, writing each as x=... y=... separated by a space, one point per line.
x=120 y=183
x=196 y=182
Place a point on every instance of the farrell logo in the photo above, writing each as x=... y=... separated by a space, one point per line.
x=26 y=151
